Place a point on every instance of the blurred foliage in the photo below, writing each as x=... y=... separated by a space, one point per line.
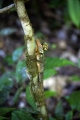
x=52 y=118
x=17 y=94
x=4 y=110
x=8 y=59
x=57 y=62
x=15 y=114
x=20 y=73
x=53 y=46
x=7 y=81
x=8 y=78
x=70 y=9
x=69 y=115
x=52 y=63
x=50 y=93
x=59 y=111
x=56 y=3
x=69 y=6
x=17 y=54
x=6 y=84
x=39 y=35
x=21 y=115
x=49 y=72
x=74 y=9
x=74 y=100
x=30 y=97
x=75 y=78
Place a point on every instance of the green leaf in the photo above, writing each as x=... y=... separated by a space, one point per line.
x=49 y=72
x=29 y=110
x=14 y=117
x=59 y=111
x=74 y=100
x=57 y=62
x=50 y=93
x=17 y=53
x=20 y=71
x=4 y=110
x=69 y=115
x=30 y=98
x=74 y=11
x=17 y=94
x=20 y=115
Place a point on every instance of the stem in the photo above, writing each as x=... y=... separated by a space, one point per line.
x=36 y=77
x=7 y=9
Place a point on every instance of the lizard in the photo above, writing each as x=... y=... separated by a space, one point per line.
x=39 y=52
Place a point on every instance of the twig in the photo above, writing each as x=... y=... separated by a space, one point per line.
x=7 y=9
